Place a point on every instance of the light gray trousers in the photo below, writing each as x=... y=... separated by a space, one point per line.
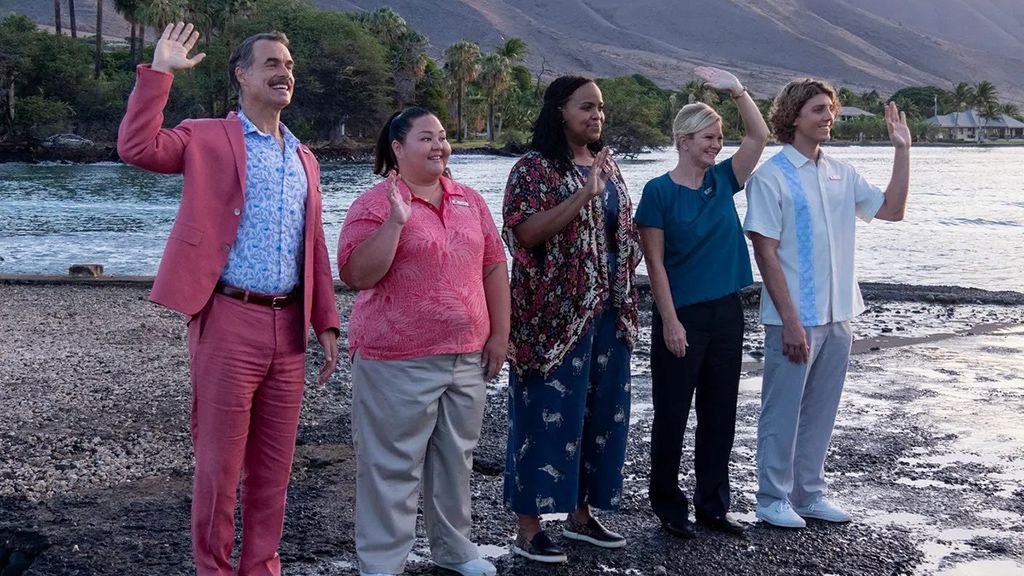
x=798 y=410
x=415 y=421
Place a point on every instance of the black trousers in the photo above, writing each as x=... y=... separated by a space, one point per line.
x=711 y=369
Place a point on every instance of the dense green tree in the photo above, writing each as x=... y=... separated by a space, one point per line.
x=518 y=107
x=633 y=111
x=37 y=117
x=848 y=97
x=871 y=101
x=342 y=78
x=430 y=92
x=921 y=101
x=462 y=64
x=860 y=128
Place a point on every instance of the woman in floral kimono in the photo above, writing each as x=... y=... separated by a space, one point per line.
x=568 y=225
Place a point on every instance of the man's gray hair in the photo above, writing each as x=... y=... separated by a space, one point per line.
x=242 y=56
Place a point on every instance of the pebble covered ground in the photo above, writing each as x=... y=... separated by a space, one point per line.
x=95 y=470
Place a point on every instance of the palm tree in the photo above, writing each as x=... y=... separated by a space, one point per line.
x=514 y=49
x=406 y=46
x=56 y=16
x=71 y=13
x=385 y=24
x=409 y=64
x=159 y=13
x=129 y=9
x=986 y=102
x=986 y=97
x=211 y=16
x=99 y=38
x=963 y=96
x=495 y=77
x=696 y=91
x=461 y=65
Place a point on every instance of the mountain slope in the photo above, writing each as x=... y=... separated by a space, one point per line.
x=861 y=44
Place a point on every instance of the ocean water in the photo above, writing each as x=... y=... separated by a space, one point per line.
x=964 y=224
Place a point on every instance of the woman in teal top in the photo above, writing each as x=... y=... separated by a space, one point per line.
x=697 y=261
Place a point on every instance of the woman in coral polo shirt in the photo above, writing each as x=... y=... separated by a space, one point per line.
x=429 y=327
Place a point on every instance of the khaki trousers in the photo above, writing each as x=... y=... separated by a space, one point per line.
x=415 y=422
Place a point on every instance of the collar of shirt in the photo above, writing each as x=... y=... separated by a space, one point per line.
x=248 y=128
x=797 y=158
x=451 y=193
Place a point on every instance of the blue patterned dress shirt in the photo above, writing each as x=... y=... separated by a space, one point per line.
x=267 y=255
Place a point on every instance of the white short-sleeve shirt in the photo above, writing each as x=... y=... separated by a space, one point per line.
x=811 y=209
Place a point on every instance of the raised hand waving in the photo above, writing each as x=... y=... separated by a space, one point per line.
x=896 y=124
x=171 y=52
x=600 y=172
x=719 y=79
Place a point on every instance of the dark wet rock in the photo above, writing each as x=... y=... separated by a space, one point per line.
x=66 y=143
x=103 y=471
x=90 y=270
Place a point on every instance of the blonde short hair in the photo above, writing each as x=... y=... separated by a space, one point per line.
x=691 y=119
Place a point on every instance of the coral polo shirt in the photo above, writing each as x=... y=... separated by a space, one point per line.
x=431 y=301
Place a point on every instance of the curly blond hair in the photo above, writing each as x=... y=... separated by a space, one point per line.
x=791 y=99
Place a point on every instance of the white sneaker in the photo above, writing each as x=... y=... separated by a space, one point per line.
x=475 y=567
x=822 y=509
x=780 y=514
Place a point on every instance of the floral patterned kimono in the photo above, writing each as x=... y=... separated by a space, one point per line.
x=574 y=319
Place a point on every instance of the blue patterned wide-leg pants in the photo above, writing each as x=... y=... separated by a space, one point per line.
x=567 y=432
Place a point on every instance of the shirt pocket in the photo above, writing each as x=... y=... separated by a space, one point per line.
x=187 y=233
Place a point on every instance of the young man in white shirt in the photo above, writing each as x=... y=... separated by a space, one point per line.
x=802 y=207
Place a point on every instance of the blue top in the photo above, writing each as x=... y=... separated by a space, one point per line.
x=706 y=254
x=267 y=254
x=610 y=202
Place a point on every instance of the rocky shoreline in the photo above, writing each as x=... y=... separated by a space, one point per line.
x=96 y=472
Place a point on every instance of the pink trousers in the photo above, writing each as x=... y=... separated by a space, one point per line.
x=247 y=364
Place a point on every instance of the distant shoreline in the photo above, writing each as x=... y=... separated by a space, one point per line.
x=362 y=154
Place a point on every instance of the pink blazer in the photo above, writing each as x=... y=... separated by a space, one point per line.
x=210 y=153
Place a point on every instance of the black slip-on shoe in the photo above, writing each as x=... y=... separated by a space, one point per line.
x=592 y=532
x=682 y=529
x=721 y=524
x=540 y=548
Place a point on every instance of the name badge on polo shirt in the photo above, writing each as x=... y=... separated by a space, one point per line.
x=460 y=202
x=833 y=177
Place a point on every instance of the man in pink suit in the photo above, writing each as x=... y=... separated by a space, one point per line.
x=247 y=261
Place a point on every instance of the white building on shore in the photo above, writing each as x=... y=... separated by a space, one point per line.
x=971 y=125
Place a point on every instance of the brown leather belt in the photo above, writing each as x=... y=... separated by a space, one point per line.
x=275 y=301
